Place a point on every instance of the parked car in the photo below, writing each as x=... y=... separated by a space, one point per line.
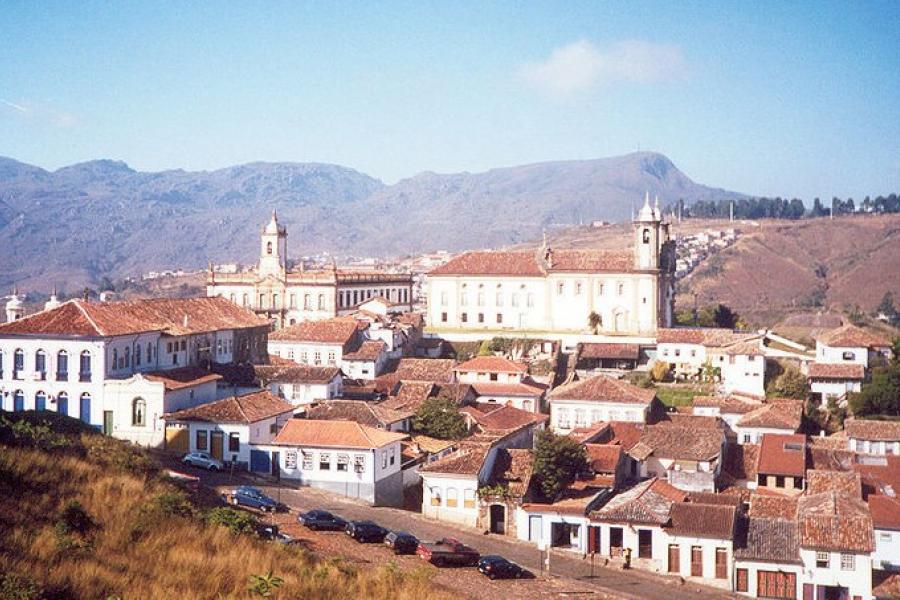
x=272 y=533
x=497 y=567
x=202 y=460
x=253 y=497
x=365 y=531
x=321 y=519
x=448 y=551
x=401 y=542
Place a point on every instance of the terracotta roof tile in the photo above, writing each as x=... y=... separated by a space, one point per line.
x=647 y=502
x=592 y=433
x=782 y=454
x=770 y=540
x=603 y=458
x=184 y=377
x=492 y=364
x=512 y=468
x=340 y=331
x=847 y=482
x=625 y=433
x=430 y=444
x=248 y=408
x=528 y=264
x=702 y=520
x=334 y=434
x=880 y=474
x=829 y=521
x=740 y=461
x=368 y=350
x=467 y=460
x=867 y=429
x=610 y=351
x=727 y=405
x=361 y=412
x=493 y=388
x=601 y=388
x=772 y=506
x=682 y=443
x=435 y=370
x=706 y=336
x=294 y=373
x=851 y=336
x=829 y=371
x=507 y=418
x=774 y=415
x=885 y=512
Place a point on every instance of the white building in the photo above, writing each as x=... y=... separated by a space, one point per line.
x=737 y=358
x=600 y=398
x=367 y=361
x=829 y=381
x=743 y=368
x=316 y=343
x=227 y=428
x=555 y=291
x=777 y=416
x=866 y=436
x=502 y=381
x=83 y=359
x=290 y=296
x=342 y=457
x=885 y=512
x=301 y=385
x=850 y=345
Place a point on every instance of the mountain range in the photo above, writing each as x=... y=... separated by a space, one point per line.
x=72 y=226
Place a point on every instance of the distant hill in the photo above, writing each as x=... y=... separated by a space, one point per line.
x=101 y=218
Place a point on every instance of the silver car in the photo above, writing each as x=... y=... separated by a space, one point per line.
x=202 y=460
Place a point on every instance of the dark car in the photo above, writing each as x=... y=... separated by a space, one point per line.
x=272 y=533
x=321 y=519
x=401 y=542
x=497 y=567
x=365 y=531
x=250 y=496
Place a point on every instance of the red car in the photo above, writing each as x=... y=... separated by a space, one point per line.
x=448 y=551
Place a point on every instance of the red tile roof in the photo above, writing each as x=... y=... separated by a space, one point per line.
x=702 y=520
x=740 y=461
x=680 y=443
x=340 y=331
x=770 y=540
x=173 y=316
x=506 y=418
x=706 y=336
x=829 y=521
x=368 y=350
x=436 y=370
x=868 y=429
x=291 y=372
x=829 y=371
x=610 y=351
x=885 y=512
x=727 y=405
x=851 y=336
x=601 y=388
x=492 y=364
x=847 y=482
x=492 y=388
x=467 y=460
x=774 y=415
x=248 y=408
x=512 y=469
x=184 y=377
x=772 y=507
x=592 y=433
x=358 y=411
x=625 y=433
x=603 y=458
x=529 y=264
x=647 y=502
x=778 y=455
x=334 y=434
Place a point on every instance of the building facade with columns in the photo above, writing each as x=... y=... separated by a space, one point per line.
x=549 y=291
x=290 y=296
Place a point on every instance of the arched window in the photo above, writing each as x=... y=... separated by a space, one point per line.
x=127 y=357
x=40 y=401
x=246 y=300
x=452 y=497
x=18 y=363
x=149 y=352
x=62 y=365
x=62 y=403
x=646 y=236
x=40 y=363
x=137 y=355
x=305 y=301
x=233 y=298
x=321 y=301
x=19 y=401
x=435 y=496
x=84 y=408
x=268 y=247
x=139 y=412
x=84 y=373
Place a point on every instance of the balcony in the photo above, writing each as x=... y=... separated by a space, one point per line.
x=62 y=376
x=84 y=377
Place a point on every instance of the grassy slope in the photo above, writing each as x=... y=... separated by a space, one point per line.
x=175 y=556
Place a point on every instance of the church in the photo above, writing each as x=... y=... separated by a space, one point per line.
x=560 y=291
x=290 y=296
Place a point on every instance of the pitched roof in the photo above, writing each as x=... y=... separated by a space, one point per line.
x=528 y=263
x=525 y=388
x=358 y=411
x=839 y=371
x=467 y=460
x=846 y=482
x=770 y=540
x=492 y=364
x=603 y=458
x=782 y=454
x=885 y=511
x=714 y=337
x=410 y=396
x=334 y=434
x=772 y=507
x=248 y=408
x=610 y=351
x=513 y=469
x=590 y=433
x=340 y=330
x=727 y=405
x=647 y=502
x=740 y=461
x=682 y=443
x=829 y=521
x=702 y=520
x=430 y=444
x=507 y=418
x=173 y=316
x=184 y=377
x=294 y=373
x=774 y=415
x=368 y=350
x=851 y=336
x=601 y=388
x=868 y=429
x=435 y=370
x=625 y=433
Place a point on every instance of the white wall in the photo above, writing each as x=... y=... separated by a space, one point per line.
x=439 y=487
x=301 y=394
x=834 y=389
x=835 y=355
x=754 y=435
x=305 y=353
x=743 y=373
x=858 y=580
x=564 y=415
x=754 y=566
x=874 y=446
x=887 y=549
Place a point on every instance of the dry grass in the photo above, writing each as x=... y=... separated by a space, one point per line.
x=175 y=557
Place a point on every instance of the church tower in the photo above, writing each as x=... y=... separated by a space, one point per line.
x=646 y=236
x=273 y=252
x=15 y=310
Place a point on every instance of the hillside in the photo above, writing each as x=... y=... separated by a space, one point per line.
x=92 y=517
x=75 y=225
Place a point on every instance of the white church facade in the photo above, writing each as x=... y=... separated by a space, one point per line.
x=292 y=296
x=552 y=291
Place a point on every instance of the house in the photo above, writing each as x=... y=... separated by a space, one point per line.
x=563 y=522
x=81 y=358
x=885 y=511
x=687 y=457
x=600 y=398
x=366 y=361
x=492 y=419
x=781 y=465
x=868 y=436
x=498 y=380
x=555 y=291
x=343 y=457
x=316 y=343
x=593 y=356
x=700 y=539
x=507 y=488
x=776 y=416
x=730 y=408
x=609 y=461
x=364 y=413
x=301 y=385
x=767 y=559
x=849 y=344
x=742 y=367
x=228 y=429
x=739 y=467
x=829 y=381
x=736 y=358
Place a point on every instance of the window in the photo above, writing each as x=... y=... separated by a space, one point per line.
x=275 y=303
x=464 y=317
x=577 y=288
x=645 y=543
x=115 y=359
x=599 y=289
x=821 y=560
x=693 y=353
x=451 y=498
x=234 y=442
x=621 y=289
x=848 y=562
x=393 y=454
x=201 y=439
x=384 y=458
x=183 y=345
x=499 y=299
x=324 y=461
x=268 y=247
x=563 y=418
x=743 y=583
x=317 y=357
x=331 y=358
x=307 y=463
x=246 y=300
x=62 y=366
x=138 y=412
x=292 y=301
x=463 y=299
x=481 y=317
x=321 y=302
x=480 y=299
x=435 y=496
x=359 y=463
x=85 y=367
x=848 y=355
x=674 y=558
x=444 y=298
x=721 y=563
x=290 y=459
x=443 y=317
x=262 y=300
x=137 y=355
x=580 y=420
x=127 y=357
x=696 y=561
x=62 y=403
x=40 y=401
x=560 y=288
x=468 y=498
x=307 y=300
x=19 y=401
x=515 y=299
x=343 y=462
x=645 y=237
x=798 y=483
x=40 y=364
x=779 y=481
x=530 y=299
x=18 y=363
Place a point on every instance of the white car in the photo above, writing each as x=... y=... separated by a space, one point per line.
x=202 y=460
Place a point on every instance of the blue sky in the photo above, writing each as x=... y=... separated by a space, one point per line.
x=797 y=99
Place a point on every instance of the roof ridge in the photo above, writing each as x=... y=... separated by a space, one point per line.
x=240 y=407
x=84 y=312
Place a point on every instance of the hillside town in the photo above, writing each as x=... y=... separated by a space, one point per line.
x=544 y=396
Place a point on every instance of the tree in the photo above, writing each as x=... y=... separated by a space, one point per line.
x=594 y=321
x=659 y=370
x=557 y=461
x=485 y=348
x=881 y=396
x=440 y=418
x=790 y=384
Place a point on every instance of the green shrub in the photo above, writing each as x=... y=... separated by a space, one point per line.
x=74 y=527
x=237 y=521
x=118 y=455
x=18 y=587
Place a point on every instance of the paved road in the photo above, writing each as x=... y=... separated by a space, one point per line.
x=613 y=581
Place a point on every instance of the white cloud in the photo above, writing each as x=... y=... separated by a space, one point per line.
x=582 y=66
x=41 y=114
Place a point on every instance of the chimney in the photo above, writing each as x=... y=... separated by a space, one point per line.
x=185 y=322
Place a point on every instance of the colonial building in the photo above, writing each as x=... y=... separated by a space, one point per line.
x=560 y=291
x=290 y=296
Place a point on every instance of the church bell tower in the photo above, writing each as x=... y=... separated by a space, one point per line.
x=647 y=241
x=273 y=251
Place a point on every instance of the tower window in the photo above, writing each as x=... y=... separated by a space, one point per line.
x=646 y=237
x=268 y=247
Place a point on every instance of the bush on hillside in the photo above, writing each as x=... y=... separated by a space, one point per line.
x=123 y=458
x=237 y=521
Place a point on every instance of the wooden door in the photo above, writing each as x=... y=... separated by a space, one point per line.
x=107 y=422
x=674 y=558
x=177 y=439
x=696 y=561
x=217 y=445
